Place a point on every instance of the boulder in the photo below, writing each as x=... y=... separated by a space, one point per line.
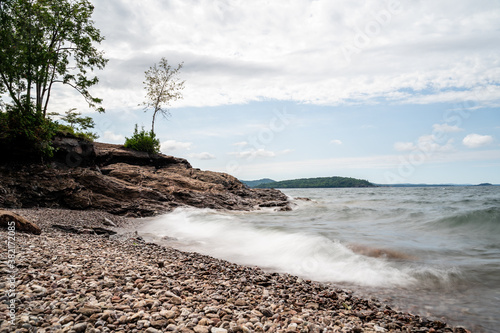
x=21 y=224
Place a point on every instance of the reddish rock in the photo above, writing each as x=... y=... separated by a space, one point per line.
x=21 y=224
x=125 y=182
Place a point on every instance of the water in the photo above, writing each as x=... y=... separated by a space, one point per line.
x=430 y=251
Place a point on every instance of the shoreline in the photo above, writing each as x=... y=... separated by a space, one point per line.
x=90 y=283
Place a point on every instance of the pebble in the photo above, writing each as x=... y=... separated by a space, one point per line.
x=91 y=283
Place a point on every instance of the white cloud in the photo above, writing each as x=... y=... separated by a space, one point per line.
x=294 y=50
x=426 y=143
x=336 y=142
x=240 y=144
x=259 y=153
x=109 y=136
x=404 y=146
x=445 y=128
x=477 y=140
x=254 y=153
x=171 y=145
x=202 y=156
x=379 y=162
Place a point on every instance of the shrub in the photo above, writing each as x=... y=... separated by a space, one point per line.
x=26 y=131
x=143 y=141
x=68 y=130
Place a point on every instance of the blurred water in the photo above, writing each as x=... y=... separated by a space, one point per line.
x=432 y=251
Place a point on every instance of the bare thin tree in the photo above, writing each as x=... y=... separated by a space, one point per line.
x=162 y=86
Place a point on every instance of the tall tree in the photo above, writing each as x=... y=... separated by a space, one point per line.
x=162 y=86
x=43 y=43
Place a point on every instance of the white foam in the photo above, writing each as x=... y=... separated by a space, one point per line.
x=228 y=236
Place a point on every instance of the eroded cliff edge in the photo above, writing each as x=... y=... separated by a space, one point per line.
x=122 y=181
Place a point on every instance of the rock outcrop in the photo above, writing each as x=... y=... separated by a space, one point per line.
x=124 y=182
x=20 y=223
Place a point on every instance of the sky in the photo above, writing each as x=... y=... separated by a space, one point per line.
x=392 y=91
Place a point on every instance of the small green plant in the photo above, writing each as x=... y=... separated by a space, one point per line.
x=77 y=125
x=143 y=141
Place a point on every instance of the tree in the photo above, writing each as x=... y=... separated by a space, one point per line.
x=77 y=124
x=43 y=43
x=162 y=86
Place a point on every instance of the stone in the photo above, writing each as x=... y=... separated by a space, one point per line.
x=88 y=310
x=108 y=222
x=80 y=327
x=168 y=314
x=152 y=330
x=20 y=223
x=240 y=302
x=176 y=300
x=159 y=323
x=218 y=330
x=201 y=329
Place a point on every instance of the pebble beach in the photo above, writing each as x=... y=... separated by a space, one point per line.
x=84 y=282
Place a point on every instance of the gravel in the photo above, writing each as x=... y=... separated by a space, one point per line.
x=67 y=282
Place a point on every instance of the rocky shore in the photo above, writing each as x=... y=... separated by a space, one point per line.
x=84 y=282
x=84 y=175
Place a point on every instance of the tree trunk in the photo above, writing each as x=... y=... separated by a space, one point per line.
x=153 y=123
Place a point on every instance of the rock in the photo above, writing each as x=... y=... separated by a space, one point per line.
x=80 y=327
x=159 y=323
x=176 y=300
x=240 y=302
x=88 y=310
x=201 y=329
x=68 y=228
x=108 y=222
x=218 y=330
x=312 y=305
x=168 y=314
x=126 y=182
x=152 y=330
x=21 y=224
x=102 y=231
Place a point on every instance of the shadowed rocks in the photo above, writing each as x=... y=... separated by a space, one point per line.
x=122 y=181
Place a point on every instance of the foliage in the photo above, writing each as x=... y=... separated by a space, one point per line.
x=44 y=43
x=143 y=141
x=23 y=132
x=162 y=86
x=255 y=183
x=77 y=125
x=318 y=182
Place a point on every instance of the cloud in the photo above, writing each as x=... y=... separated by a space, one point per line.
x=240 y=144
x=254 y=153
x=257 y=50
x=425 y=143
x=379 y=162
x=171 y=145
x=259 y=153
x=202 y=156
x=445 y=128
x=109 y=136
x=336 y=142
x=476 y=140
x=405 y=146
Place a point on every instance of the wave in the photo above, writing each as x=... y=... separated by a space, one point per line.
x=237 y=238
x=481 y=220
